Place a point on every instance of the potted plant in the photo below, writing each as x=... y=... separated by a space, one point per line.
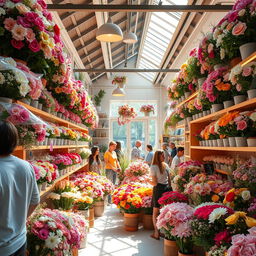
x=147 y=109
x=98 y=98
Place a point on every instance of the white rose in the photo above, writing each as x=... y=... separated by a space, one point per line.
x=20 y=77
x=237 y=70
x=24 y=89
x=241 y=12
x=9 y=5
x=253 y=116
x=246 y=195
x=2 y=11
x=54 y=196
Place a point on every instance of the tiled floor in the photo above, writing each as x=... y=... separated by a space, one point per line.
x=108 y=238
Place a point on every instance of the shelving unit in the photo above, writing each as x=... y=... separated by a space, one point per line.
x=103 y=129
x=192 y=96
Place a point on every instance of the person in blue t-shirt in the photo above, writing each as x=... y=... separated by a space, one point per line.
x=19 y=194
x=150 y=154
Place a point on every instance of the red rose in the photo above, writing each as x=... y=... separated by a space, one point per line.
x=17 y=44
x=56 y=30
x=230 y=197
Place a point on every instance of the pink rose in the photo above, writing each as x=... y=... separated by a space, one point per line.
x=247 y=71
x=43 y=234
x=212 y=98
x=47 y=15
x=17 y=44
x=31 y=17
x=193 y=52
x=9 y=23
x=39 y=23
x=239 y=87
x=34 y=46
x=239 y=29
x=16 y=1
x=61 y=58
x=242 y=125
x=30 y=36
x=23 y=22
x=19 y=32
x=42 y=3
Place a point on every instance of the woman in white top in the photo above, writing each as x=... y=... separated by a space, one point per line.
x=94 y=163
x=159 y=172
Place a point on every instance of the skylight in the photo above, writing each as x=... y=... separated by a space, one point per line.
x=158 y=36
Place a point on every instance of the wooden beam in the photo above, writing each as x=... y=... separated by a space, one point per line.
x=127 y=70
x=139 y=8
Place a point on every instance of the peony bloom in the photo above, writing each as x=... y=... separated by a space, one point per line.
x=242 y=125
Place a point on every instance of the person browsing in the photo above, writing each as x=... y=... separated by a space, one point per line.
x=136 y=151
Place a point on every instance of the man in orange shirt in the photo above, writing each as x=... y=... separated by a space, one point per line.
x=111 y=164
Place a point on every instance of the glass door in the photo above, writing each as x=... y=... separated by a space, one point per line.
x=119 y=133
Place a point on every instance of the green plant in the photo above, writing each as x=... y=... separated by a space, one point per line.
x=103 y=148
x=98 y=97
x=124 y=163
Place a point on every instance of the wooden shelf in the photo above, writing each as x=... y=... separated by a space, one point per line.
x=249 y=59
x=51 y=118
x=235 y=149
x=48 y=147
x=187 y=132
x=192 y=96
x=180 y=126
x=42 y=193
x=246 y=105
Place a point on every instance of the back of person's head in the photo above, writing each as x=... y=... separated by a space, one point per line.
x=164 y=145
x=111 y=143
x=180 y=150
x=138 y=143
x=150 y=147
x=8 y=138
x=118 y=145
x=158 y=159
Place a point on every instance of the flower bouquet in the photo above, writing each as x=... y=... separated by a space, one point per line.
x=175 y=219
x=84 y=153
x=82 y=201
x=172 y=197
x=147 y=109
x=119 y=80
x=209 y=226
x=136 y=169
x=126 y=114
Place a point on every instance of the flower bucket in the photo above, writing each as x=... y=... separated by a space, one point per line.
x=183 y=254
x=241 y=142
x=5 y=100
x=239 y=98
x=228 y=103
x=232 y=141
x=148 y=222
x=226 y=142
x=99 y=208
x=131 y=221
x=251 y=94
x=39 y=186
x=220 y=143
x=247 y=49
x=216 y=107
x=170 y=248
x=251 y=142
x=187 y=94
x=91 y=218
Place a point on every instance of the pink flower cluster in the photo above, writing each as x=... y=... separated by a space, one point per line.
x=136 y=169
x=65 y=160
x=126 y=113
x=18 y=115
x=146 y=202
x=243 y=245
x=147 y=108
x=144 y=179
x=176 y=218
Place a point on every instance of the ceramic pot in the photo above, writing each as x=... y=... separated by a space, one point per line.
x=34 y=103
x=251 y=142
x=247 y=49
x=217 y=107
x=251 y=94
x=215 y=143
x=170 y=248
x=131 y=221
x=5 y=100
x=40 y=106
x=148 y=222
x=241 y=142
x=239 y=98
x=99 y=208
x=26 y=101
x=232 y=141
x=220 y=143
x=228 y=103
x=226 y=142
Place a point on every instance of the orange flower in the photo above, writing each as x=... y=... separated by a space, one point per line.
x=223 y=87
x=227 y=118
x=215 y=198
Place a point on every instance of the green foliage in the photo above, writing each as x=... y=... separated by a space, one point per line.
x=124 y=163
x=98 y=97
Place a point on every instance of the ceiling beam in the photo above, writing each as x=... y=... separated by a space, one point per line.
x=81 y=21
x=128 y=70
x=138 y=8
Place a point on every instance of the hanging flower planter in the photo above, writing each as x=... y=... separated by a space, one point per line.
x=126 y=114
x=147 y=109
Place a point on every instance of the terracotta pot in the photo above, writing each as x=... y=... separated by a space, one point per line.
x=141 y=217
x=131 y=221
x=235 y=61
x=91 y=218
x=148 y=222
x=74 y=252
x=170 y=248
x=182 y=254
x=99 y=208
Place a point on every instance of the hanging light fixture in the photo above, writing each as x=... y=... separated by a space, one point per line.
x=130 y=38
x=118 y=91
x=109 y=32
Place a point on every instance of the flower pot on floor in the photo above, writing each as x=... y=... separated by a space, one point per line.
x=251 y=94
x=247 y=49
x=232 y=141
x=226 y=142
x=91 y=218
x=228 y=103
x=99 y=208
x=131 y=221
x=241 y=142
x=170 y=248
x=216 y=107
x=251 y=142
x=183 y=254
x=239 y=98
x=148 y=222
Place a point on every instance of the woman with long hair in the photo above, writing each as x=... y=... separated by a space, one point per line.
x=94 y=163
x=159 y=172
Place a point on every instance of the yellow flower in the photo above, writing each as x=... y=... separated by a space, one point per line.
x=123 y=204
x=232 y=220
x=250 y=222
x=45 y=37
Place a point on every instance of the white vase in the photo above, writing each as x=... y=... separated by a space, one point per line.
x=200 y=81
x=232 y=141
x=217 y=107
x=239 y=98
x=220 y=143
x=228 y=103
x=251 y=142
x=34 y=103
x=247 y=49
x=251 y=94
x=241 y=142
x=5 y=100
x=187 y=94
x=226 y=142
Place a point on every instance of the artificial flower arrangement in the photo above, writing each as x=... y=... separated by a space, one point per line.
x=175 y=219
x=147 y=109
x=52 y=232
x=172 y=197
x=119 y=80
x=126 y=114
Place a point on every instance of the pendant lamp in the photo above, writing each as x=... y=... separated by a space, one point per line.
x=118 y=91
x=109 y=32
x=130 y=38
